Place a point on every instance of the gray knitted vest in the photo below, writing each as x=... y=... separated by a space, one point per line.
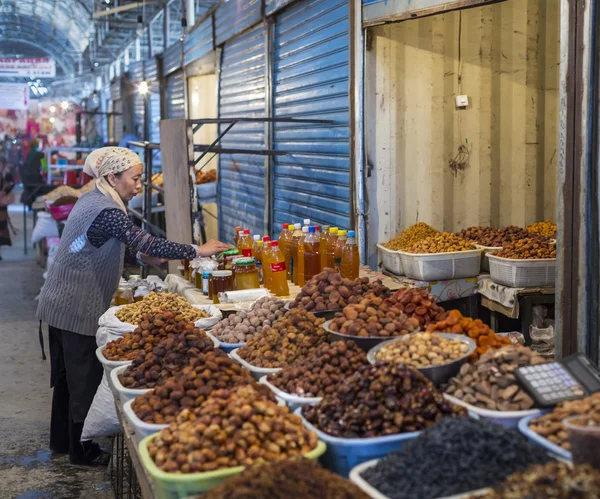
x=83 y=278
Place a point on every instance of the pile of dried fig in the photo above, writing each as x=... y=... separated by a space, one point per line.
x=490 y=237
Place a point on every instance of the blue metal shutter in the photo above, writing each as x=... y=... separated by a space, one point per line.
x=310 y=71
x=171 y=59
x=115 y=95
x=136 y=75
x=235 y=16
x=272 y=6
x=175 y=95
x=242 y=94
x=151 y=75
x=198 y=42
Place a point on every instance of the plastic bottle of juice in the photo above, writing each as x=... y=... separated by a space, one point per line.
x=279 y=285
x=294 y=251
x=266 y=254
x=323 y=245
x=245 y=243
x=301 y=256
x=350 y=258
x=236 y=238
x=257 y=252
x=339 y=246
x=331 y=240
x=285 y=239
x=312 y=257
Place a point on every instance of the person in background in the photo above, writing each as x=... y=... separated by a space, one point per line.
x=31 y=176
x=7 y=197
x=97 y=238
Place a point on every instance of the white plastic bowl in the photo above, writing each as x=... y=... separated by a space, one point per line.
x=257 y=372
x=508 y=419
x=292 y=401
x=125 y=394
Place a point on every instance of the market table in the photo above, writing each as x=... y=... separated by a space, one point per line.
x=514 y=303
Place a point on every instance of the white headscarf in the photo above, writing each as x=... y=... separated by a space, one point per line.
x=105 y=160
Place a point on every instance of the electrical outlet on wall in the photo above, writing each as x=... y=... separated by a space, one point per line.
x=461 y=101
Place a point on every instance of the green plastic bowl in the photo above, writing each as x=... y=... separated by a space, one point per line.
x=179 y=486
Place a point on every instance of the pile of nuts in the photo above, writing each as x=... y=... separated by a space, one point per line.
x=410 y=236
x=158 y=302
x=319 y=374
x=206 y=373
x=298 y=478
x=418 y=304
x=555 y=480
x=152 y=330
x=167 y=359
x=442 y=243
x=288 y=340
x=243 y=325
x=494 y=238
x=422 y=350
x=490 y=383
x=475 y=329
x=206 y=177
x=550 y=425
x=374 y=316
x=379 y=400
x=238 y=427
x=546 y=228
x=527 y=249
x=329 y=291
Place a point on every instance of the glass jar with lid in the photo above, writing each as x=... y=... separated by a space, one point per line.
x=219 y=282
x=246 y=274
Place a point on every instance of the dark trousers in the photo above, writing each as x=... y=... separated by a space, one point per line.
x=75 y=376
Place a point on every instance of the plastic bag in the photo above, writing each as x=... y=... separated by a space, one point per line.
x=215 y=316
x=542 y=332
x=110 y=325
x=44 y=227
x=101 y=419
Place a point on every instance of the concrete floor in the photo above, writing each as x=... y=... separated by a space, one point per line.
x=28 y=470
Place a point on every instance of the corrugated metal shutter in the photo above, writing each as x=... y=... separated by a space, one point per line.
x=272 y=6
x=171 y=59
x=242 y=93
x=175 y=95
x=235 y=16
x=198 y=42
x=152 y=78
x=136 y=75
x=310 y=74
x=115 y=95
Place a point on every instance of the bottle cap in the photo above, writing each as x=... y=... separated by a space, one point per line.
x=256 y=237
x=260 y=243
x=266 y=238
x=298 y=226
x=305 y=230
x=285 y=226
x=326 y=228
x=238 y=229
x=246 y=231
x=206 y=274
x=244 y=261
x=333 y=230
x=222 y=273
x=292 y=226
x=317 y=228
x=351 y=233
x=342 y=232
x=307 y=221
x=274 y=244
x=312 y=229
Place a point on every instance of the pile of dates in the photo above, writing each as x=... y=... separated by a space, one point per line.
x=493 y=238
x=379 y=400
x=319 y=374
x=238 y=427
x=328 y=290
x=527 y=249
x=167 y=359
x=293 y=337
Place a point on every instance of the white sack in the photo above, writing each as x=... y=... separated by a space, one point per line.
x=102 y=419
x=44 y=227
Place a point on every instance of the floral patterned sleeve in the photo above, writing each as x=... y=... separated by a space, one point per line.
x=113 y=222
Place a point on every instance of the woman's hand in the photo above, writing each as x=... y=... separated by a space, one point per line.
x=212 y=247
x=152 y=260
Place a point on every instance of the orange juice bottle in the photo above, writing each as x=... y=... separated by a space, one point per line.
x=323 y=245
x=236 y=238
x=279 y=285
x=257 y=252
x=285 y=238
x=301 y=256
x=294 y=251
x=312 y=258
x=331 y=240
x=350 y=258
x=266 y=254
x=245 y=243
x=339 y=246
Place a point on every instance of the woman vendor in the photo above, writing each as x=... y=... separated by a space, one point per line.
x=97 y=238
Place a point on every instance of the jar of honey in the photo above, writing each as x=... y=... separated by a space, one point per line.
x=124 y=294
x=219 y=282
x=246 y=274
x=198 y=279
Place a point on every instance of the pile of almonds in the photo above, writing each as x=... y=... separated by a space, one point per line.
x=243 y=325
x=490 y=237
x=441 y=243
x=329 y=291
x=291 y=338
x=168 y=358
x=319 y=374
x=384 y=399
x=550 y=425
x=189 y=389
x=238 y=427
x=490 y=382
x=527 y=249
x=152 y=330
x=374 y=316
x=475 y=329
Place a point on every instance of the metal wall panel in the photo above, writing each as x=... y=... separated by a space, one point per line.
x=198 y=42
x=171 y=60
x=175 y=95
x=235 y=16
x=152 y=76
x=310 y=71
x=136 y=75
x=242 y=93
x=272 y=6
x=115 y=89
